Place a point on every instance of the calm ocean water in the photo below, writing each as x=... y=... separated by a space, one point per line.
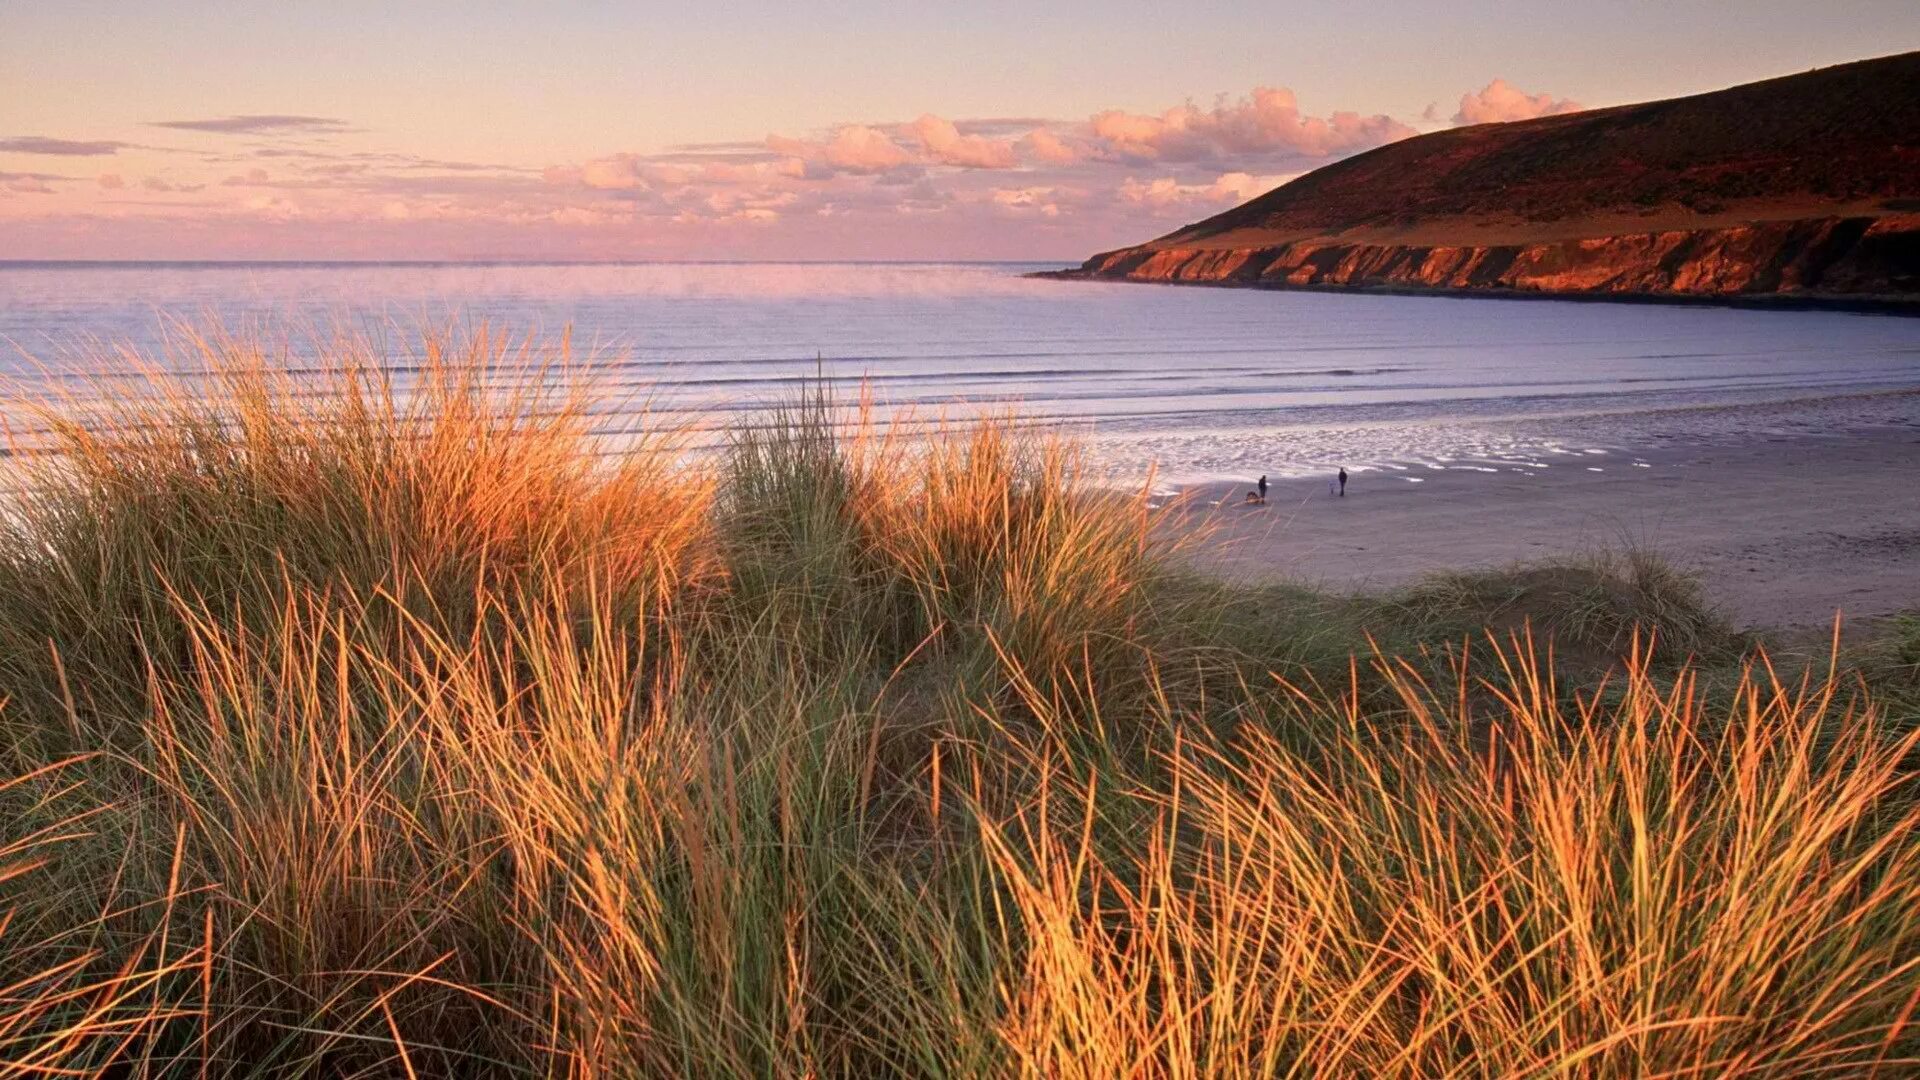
x=1205 y=382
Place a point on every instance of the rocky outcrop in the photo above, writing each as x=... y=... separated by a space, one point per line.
x=1847 y=258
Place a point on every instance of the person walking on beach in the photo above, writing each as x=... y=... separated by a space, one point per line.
x=1343 y=481
x=1263 y=487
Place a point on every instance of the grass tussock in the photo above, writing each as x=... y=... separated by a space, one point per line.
x=1592 y=606
x=355 y=728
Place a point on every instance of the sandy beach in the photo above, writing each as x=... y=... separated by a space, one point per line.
x=1783 y=531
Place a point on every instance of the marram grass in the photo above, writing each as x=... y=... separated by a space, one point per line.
x=362 y=730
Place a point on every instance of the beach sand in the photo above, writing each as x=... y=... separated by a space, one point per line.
x=1783 y=531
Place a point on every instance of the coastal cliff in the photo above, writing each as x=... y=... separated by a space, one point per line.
x=1801 y=188
x=1851 y=257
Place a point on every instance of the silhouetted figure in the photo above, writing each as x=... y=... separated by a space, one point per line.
x=1263 y=487
x=1343 y=482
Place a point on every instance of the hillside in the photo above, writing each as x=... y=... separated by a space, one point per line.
x=1806 y=186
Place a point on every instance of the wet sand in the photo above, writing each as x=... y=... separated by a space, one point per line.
x=1783 y=531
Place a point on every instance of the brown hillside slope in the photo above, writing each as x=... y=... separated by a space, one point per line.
x=1806 y=186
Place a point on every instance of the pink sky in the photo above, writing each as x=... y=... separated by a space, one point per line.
x=267 y=185
x=524 y=137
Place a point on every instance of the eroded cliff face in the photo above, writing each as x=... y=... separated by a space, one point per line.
x=1836 y=257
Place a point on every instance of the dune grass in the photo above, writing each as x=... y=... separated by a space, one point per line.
x=354 y=729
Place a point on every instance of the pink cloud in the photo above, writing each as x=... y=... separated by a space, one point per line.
x=1239 y=186
x=273 y=208
x=974 y=187
x=111 y=182
x=1501 y=101
x=638 y=175
x=1167 y=194
x=1044 y=201
x=1267 y=124
x=1045 y=146
x=855 y=148
x=861 y=148
x=620 y=172
x=870 y=150
x=26 y=183
x=1265 y=127
x=944 y=144
x=590 y=216
x=155 y=183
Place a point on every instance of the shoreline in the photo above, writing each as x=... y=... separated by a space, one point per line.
x=1908 y=307
x=1783 y=530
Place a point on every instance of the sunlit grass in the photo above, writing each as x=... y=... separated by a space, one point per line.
x=363 y=729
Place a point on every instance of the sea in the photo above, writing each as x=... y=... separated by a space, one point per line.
x=1182 y=384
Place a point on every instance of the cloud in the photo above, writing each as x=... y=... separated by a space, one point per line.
x=705 y=148
x=453 y=166
x=1166 y=193
x=1501 y=101
x=258 y=124
x=639 y=173
x=1047 y=147
x=1106 y=179
x=944 y=143
x=862 y=149
x=1044 y=201
x=1239 y=186
x=854 y=148
x=29 y=183
x=897 y=150
x=621 y=172
x=1005 y=127
x=579 y=216
x=273 y=208
x=366 y=160
x=973 y=187
x=1233 y=150
x=1265 y=125
x=41 y=144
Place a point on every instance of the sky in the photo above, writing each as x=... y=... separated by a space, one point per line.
x=827 y=129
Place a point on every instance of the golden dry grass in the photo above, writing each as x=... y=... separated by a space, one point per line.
x=353 y=728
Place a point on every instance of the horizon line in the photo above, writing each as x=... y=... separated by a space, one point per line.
x=490 y=261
